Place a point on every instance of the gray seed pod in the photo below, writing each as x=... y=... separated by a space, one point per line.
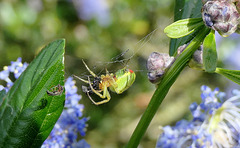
x=221 y=15
x=197 y=58
x=238 y=6
x=157 y=65
x=181 y=49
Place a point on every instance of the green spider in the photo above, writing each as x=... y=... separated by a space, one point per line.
x=117 y=82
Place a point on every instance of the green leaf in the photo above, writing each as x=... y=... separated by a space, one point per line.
x=233 y=75
x=183 y=27
x=28 y=113
x=2 y=95
x=184 y=9
x=210 y=53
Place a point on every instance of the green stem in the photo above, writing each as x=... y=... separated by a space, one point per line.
x=164 y=87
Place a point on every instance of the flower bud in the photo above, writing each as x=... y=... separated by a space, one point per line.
x=157 y=65
x=221 y=15
x=197 y=59
x=238 y=5
x=181 y=48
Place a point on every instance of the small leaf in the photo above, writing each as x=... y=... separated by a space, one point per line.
x=28 y=113
x=209 y=53
x=183 y=27
x=233 y=75
x=184 y=9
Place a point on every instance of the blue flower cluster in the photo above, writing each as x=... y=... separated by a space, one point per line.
x=16 y=68
x=71 y=123
x=215 y=123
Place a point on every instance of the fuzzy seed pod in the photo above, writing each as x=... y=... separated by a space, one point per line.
x=221 y=15
x=157 y=65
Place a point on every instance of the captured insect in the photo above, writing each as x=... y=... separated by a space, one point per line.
x=56 y=90
x=117 y=82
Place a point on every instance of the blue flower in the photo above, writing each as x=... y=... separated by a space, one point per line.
x=215 y=123
x=5 y=73
x=16 y=68
x=71 y=123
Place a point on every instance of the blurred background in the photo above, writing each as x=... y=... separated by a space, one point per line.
x=103 y=33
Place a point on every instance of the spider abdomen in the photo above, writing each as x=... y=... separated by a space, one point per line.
x=124 y=79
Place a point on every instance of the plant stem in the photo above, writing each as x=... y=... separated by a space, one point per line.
x=164 y=87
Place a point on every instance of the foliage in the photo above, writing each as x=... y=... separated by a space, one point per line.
x=180 y=29
x=28 y=113
x=209 y=52
x=183 y=27
x=100 y=35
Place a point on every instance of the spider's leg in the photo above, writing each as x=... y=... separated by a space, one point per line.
x=114 y=85
x=96 y=103
x=106 y=71
x=92 y=73
x=100 y=102
x=104 y=95
x=85 y=81
x=95 y=91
